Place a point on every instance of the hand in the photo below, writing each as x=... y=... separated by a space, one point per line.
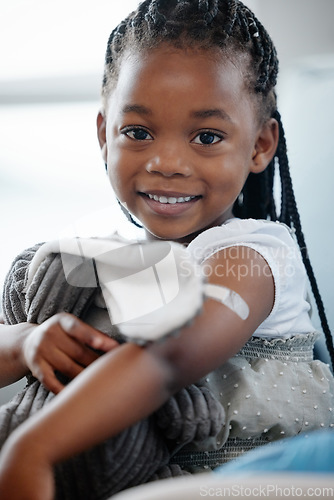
x=24 y=475
x=62 y=343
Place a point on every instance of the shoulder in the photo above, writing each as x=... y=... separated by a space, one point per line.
x=273 y=241
x=257 y=234
x=13 y=296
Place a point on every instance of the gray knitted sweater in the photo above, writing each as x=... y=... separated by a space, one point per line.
x=139 y=454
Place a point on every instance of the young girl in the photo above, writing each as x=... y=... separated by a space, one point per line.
x=191 y=137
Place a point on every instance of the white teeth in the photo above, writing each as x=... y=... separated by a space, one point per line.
x=171 y=199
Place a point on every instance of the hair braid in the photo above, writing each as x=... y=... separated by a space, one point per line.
x=153 y=14
x=242 y=22
x=290 y=216
x=210 y=12
x=128 y=215
x=231 y=16
x=270 y=188
x=139 y=16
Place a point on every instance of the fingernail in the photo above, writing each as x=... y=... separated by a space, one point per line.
x=67 y=322
x=96 y=342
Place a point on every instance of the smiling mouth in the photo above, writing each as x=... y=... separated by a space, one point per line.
x=171 y=200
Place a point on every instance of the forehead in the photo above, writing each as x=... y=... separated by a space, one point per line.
x=168 y=73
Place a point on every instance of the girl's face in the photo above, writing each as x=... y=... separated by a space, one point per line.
x=180 y=137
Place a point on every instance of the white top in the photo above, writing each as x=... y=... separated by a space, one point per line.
x=274 y=242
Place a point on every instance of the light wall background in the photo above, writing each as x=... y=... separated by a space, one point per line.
x=52 y=178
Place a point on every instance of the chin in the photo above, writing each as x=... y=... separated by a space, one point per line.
x=178 y=237
x=165 y=235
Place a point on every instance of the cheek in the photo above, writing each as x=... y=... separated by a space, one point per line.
x=120 y=179
x=115 y=174
x=230 y=179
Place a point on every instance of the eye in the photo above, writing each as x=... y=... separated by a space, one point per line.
x=207 y=138
x=137 y=134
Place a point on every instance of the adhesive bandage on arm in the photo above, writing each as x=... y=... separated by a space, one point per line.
x=228 y=297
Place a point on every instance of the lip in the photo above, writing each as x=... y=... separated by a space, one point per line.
x=168 y=194
x=169 y=209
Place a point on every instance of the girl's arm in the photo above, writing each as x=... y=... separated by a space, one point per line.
x=131 y=382
x=12 y=363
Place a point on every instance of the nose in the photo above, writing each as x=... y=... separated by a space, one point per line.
x=169 y=162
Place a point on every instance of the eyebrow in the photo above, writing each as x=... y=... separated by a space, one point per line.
x=136 y=108
x=201 y=113
x=209 y=113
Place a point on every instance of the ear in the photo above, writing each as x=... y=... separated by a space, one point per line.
x=101 y=134
x=265 y=146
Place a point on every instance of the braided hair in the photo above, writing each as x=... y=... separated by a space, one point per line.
x=231 y=27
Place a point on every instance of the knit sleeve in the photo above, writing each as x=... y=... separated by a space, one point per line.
x=13 y=296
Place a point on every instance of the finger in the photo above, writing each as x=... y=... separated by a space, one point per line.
x=63 y=363
x=52 y=347
x=103 y=343
x=45 y=374
x=85 y=333
x=56 y=358
x=80 y=353
x=54 y=385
